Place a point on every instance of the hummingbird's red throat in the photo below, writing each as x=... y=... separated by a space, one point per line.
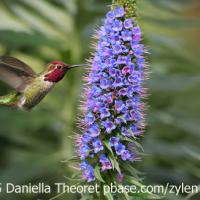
x=57 y=70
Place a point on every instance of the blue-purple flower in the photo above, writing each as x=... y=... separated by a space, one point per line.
x=105 y=163
x=94 y=131
x=114 y=141
x=98 y=146
x=88 y=171
x=128 y=23
x=109 y=125
x=119 y=11
x=113 y=108
x=119 y=105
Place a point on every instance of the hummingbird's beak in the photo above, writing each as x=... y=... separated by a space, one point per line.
x=74 y=66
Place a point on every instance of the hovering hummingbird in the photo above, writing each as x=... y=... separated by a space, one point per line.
x=29 y=88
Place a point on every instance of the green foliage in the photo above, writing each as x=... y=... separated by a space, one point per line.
x=34 y=144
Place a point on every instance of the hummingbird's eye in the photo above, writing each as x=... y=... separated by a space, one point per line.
x=59 y=67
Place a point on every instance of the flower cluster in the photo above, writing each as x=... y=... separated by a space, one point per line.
x=113 y=108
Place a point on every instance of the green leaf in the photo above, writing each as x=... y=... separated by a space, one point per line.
x=115 y=164
x=109 y=196
x=132 y=180
x=108 y=147
x=125 y=196
x=98 y=174
x=52 y=13
x=72 y=160
x=134 y=172
x=112 y=161
x=134 y=142
x=117 y=167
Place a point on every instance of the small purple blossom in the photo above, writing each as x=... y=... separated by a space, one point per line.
x=126 y=35
x=113 y=141
x=86 y=138
x=105 y=83
x=104 y=112
x=120 y=177
x=124 y=60
x=125 y=155
x=138 y=50
x=119 y=148
x=89 y=118
x=94 y=130
x=132 y=157
x=117 y=48
x=109 y=126
x=105 y=163
x=118 y=82
x=128 y=23
x=122 y=92
x=120 y=120
x=96 y=91
x=84 y=151
x=115 y=38
x=137 y=35
x=117 y=25
x=104 y=41
x=109 y=98
x=88 y=171
x=119 y=106
x=125 y=132
x=98 y=146
x=110 y=15
x=119 y=11
x=127 y=70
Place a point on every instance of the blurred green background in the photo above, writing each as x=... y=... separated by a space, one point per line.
x=33 y=145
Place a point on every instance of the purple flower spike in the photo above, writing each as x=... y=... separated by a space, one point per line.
x=113 y=101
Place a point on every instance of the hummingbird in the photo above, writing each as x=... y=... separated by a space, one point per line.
x=29 y=88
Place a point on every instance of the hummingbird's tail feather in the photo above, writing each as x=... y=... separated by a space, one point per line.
x=9 y=100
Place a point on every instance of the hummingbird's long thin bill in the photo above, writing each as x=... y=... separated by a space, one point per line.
x=80 y=65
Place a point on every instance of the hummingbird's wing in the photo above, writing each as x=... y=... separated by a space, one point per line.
x=15 y=73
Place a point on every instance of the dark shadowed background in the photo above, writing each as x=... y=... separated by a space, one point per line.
x=32 y=145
